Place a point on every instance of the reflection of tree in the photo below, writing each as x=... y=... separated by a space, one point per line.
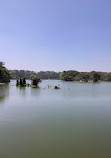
x=21 y=91
x=4 y=93
x=34 y=92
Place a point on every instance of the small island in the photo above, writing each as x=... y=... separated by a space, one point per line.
x=22 y=82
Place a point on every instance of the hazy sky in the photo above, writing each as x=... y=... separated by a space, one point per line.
x=56 y=34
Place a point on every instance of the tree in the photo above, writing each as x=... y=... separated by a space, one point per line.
x=16 y=74
x=4 y=74
x=24 y=81
x=2 y=64
x=108 y=77
x=21 y=82
x=95 y=76
x=17 y=83
x=35 y=80
x=83 y=76
x=68 y=75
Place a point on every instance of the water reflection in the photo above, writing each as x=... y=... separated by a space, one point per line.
x=4 y=93
x=21 y=91
x=34 y=92
x=25 y=92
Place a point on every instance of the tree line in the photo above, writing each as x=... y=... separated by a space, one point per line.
x=92 y=76
x=16 y=74
x=71 y=75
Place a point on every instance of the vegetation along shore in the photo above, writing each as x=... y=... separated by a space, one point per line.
x=71 y=75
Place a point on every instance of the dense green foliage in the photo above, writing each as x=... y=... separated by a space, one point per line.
x=48 y=75
x=35 y=80
x=4 y=74
x=68 y=75
x=16 y=74
x=92 y=76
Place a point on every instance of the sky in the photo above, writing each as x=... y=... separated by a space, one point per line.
x=56 y=35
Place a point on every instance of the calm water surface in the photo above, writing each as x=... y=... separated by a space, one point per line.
x=72 y=122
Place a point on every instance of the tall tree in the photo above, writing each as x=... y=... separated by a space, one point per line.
x=4 y=74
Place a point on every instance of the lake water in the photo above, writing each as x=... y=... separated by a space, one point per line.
x=71 y=122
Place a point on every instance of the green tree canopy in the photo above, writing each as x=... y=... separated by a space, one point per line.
x=95 y=76
x=4 y=74
x=35 y=80
x=92 y=76
x=68 y=75
x=16 y=74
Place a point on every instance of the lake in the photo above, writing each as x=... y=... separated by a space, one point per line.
x=71 y=122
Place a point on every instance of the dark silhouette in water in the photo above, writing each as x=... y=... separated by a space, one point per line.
x=21 y=83
x=56 y=87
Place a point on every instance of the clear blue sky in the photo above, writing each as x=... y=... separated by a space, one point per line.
x=56 y=34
